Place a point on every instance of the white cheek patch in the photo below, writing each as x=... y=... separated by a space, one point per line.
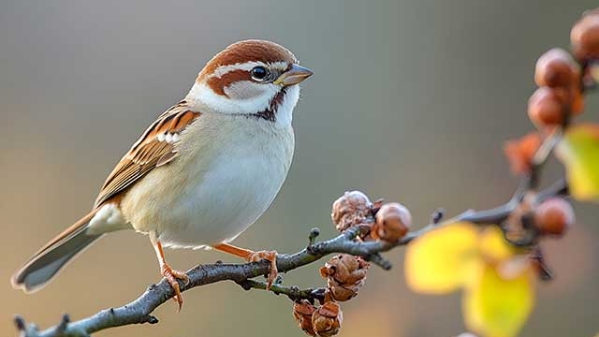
x=248 y=90
x=202 y=98
x=245 y=90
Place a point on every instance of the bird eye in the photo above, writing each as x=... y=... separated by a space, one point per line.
x=259 y=73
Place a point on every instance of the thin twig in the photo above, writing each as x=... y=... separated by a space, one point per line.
x=293 y=293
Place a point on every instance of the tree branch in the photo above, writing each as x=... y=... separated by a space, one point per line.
x=139 y=311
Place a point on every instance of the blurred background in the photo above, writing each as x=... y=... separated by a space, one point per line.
x=411 y=101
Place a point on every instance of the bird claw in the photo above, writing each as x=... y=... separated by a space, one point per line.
x=270 y=256
x=172 y=276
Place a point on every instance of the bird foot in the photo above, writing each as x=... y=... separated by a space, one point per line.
x=172 y=276
x=270 y=256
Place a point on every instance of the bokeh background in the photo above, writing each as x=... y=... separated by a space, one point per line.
x=411 y=101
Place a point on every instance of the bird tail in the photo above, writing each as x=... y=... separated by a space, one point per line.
x=48 y=261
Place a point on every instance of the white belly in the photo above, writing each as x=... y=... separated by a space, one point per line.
x=211 y=194
x=230 y=198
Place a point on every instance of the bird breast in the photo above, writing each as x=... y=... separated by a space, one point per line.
x=227 y=173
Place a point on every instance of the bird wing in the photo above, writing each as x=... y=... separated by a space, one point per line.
x=154 y=148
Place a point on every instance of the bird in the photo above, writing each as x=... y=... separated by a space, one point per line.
x=203 y=172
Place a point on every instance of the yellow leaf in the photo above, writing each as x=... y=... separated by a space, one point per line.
x=495 y=307
x=579 y=151
x=439 y=261
x=493 y=245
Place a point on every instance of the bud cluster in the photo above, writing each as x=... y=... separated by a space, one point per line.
x=559 y=94
x=351 y=209
x=322 y=321
x=387 y=221
x=345 y=275
x=561 y=78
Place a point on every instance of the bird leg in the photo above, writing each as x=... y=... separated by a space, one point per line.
x=252 y=256
x=170 y=274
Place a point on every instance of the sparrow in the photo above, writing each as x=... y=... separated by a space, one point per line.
x=203 y=172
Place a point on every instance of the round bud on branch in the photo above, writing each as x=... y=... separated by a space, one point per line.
x=327 y=319
x=585 y=36
x=554 y=216
x=556 y=68
x=561 y=74
x=345 y=276
x=547 y=107
x=353 y=208
x=393 y=221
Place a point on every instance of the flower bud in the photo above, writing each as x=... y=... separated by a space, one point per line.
x=345 y=268
x=345 y=275
x=327 y=319
x=547 y=107
x=585 y=36
x=554 y=216
x=302 y=312
x=556 y=68
x=393 y=221
x=351 y=209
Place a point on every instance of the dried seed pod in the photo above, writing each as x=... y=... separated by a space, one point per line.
x=302 y=312
x=345 y=268
x=393 y=221
x=585 y=36
x=345 y=275
x=547 y=107
x=343 y=293
x=554 y=216
x=520 y=152
x=351 y=209
x=327 y=319
x=556 y=68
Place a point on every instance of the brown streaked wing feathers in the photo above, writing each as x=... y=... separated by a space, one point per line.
x=148 y=152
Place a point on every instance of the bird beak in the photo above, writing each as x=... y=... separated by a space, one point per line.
x=294 y=75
